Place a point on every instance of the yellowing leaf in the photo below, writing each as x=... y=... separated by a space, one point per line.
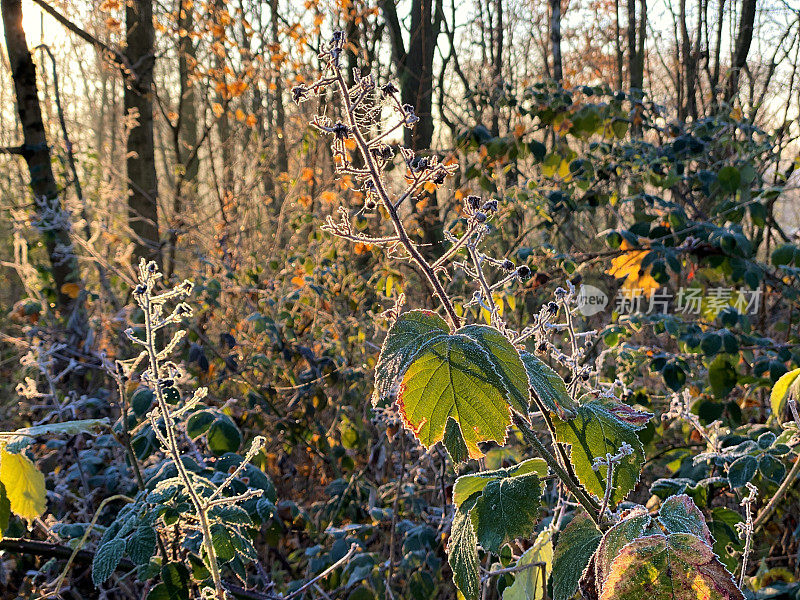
x=71 y=289
x=24 y=485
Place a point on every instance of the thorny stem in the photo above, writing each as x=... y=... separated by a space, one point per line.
x=485 y=289
x=173 y=450
x=380 y=189
x=747 y=528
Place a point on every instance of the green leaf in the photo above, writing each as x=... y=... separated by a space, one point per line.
x=106 y=560
x=453 y=377
x=462 y=555
x=549 y=387
x=142 y=400
x=5 y=510
x=633 y=526
x=199 y=422
x=596 y=431
x=142 y=544
x=223 y=436
x=507 y=360
x=175 y=578
x=729 y=179
x=454 y=443
x=786 y=387
x=679 y=566
x=531 y=584
x=507 y=509
x=470 y=377
x=223 y=545
x=771 y=468
x=467 y=485
x=722 y=376
x=679 y=514
x=410 y=332
x=575 y=548
x=742 y=470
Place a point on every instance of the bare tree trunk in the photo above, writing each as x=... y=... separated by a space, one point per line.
x=555 y=39
x=282 y=155
x=138 y=99
x=742 y=48
x=497 y=67
x=685 y=64
x=631 y=40
x=186 y=144
x=53 y=221
x=618 y=47
x=415 y=66
x=637 y=76
x=717 y=52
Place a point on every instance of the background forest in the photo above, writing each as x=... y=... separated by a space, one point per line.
x=647 y=151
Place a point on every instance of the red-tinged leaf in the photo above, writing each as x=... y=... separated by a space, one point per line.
x=679 y=566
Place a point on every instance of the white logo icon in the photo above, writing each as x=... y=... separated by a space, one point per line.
x=591 y=300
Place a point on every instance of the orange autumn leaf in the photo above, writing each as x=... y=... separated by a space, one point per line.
x=628 y=266
x=361 y=248
x=113 y=24
x=217 y=109
x=430 y=187
x=350 y=144
x=307 y=174
x=71 y=289
x=298 y=281
x=251 y=120
x=240 y=116
x=519 y=130
x=328 y=197
x=305 y=201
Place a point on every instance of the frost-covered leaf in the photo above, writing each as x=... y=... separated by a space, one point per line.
x=453 y=388
x=742 y=470
x=679 y=566
x=574 y=550
x=407 y=336
x=467 y=485
x=507 y=509
x=106 y=560
x=24 y=485
x=142 y=544
x=27 y=434
x=531 y=583
x=462 y=554
x=507 y=362
x=549 y=387
x=679 y=514
x=635 y=525
x=453 y=377
x=595 y=431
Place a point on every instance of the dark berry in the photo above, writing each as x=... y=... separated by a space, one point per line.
x=524 y=272
x=473 y=202
x=480 y=217
x=508 y=265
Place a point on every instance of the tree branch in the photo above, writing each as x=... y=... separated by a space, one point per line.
x=113 y=55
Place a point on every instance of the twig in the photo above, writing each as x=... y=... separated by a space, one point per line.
x=334 y=566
